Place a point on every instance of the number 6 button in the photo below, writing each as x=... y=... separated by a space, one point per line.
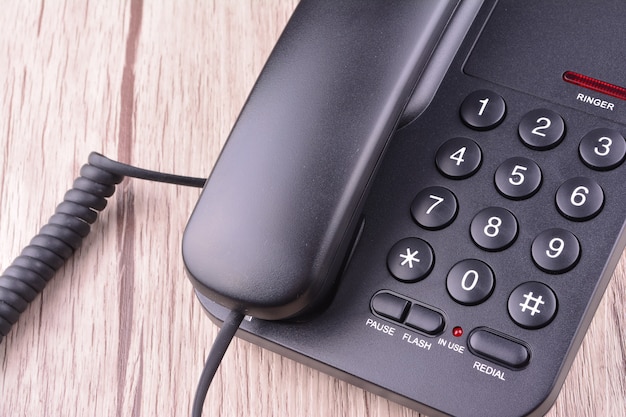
x=555 y=250
x=579 y=198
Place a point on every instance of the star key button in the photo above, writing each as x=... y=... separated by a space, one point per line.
x=410 y=260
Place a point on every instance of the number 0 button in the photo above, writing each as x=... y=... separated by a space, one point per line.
x=434 y=208
x=555 y=250
x=482 y=110
x=494 y=228
x=579 y=198
x=470 y=282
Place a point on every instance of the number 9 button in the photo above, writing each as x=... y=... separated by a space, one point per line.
x=555 y=250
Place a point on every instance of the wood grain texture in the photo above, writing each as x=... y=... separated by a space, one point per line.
x=118 y=331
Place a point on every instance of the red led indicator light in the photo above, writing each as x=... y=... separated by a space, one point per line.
x=595 y=85
x=457 y=331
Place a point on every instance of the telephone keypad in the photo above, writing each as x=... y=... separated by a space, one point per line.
x=470 y=282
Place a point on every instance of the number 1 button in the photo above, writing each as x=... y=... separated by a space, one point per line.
x=434 y=208
x=483 y=110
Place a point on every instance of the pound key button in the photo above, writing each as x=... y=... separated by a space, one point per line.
x=498 y=348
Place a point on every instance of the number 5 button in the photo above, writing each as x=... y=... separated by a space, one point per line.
x=518 y=178
x=434 y=208
x=555 y=250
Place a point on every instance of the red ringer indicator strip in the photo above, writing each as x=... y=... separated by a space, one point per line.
x=595 y=85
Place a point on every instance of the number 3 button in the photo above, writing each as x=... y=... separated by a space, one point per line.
x=555 y=250
x=602 y=149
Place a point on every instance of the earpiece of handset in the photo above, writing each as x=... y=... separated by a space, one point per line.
x=276 y=218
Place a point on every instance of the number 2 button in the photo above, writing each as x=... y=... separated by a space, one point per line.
x=434 y=208
x=541 y=129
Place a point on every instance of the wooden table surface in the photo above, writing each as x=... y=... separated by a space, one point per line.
x=118 y=331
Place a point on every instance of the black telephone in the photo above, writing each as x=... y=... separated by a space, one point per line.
x=425 y=198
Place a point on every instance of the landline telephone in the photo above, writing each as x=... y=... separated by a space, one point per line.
x=425 y=198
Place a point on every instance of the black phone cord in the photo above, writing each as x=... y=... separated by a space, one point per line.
x=57 y=241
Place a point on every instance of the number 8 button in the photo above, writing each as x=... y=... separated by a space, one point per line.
x=494 y=228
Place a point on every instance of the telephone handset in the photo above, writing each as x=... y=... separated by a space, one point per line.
x=424 y=200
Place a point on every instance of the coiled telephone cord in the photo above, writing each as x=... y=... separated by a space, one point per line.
x=57 y=241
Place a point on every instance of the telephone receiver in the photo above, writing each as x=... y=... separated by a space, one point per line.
x=278 y=216
x=306 y=223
